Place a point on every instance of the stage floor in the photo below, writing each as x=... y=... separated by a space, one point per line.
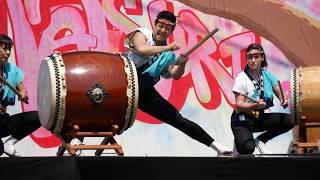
x=269 y=167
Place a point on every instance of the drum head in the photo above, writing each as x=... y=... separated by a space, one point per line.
x=45 y=99
x=51 y=93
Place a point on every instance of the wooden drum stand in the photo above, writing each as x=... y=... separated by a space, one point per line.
x=108 y=142
x=305 y=99
x=306 y=136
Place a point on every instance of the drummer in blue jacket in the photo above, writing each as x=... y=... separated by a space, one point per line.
x=15 y=126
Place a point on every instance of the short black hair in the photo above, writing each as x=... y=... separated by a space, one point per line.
x=259 y=48
x=168 y=16
x=4 y=39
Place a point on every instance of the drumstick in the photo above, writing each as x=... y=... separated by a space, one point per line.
x=250 y=98
x=281 y=91
x=201 y=42
x=25 y=100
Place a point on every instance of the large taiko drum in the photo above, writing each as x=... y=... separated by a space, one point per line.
x=305 y=94
x=305 y=103
x=93 y=90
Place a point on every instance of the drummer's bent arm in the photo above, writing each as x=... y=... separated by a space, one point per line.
x=141 y=47
x=277 y=92
x=3 y=108
x=177 y=69
x=22 y=90
x=244 y=106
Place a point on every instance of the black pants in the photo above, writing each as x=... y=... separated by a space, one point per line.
x=273 y=124
x=151 y=102
x=19 y=125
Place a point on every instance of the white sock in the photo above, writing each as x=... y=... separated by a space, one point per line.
x=235 y=150
x=11 y=140
x=220 y=148
x=76 y=141
x=9 y=148
x=261 y=146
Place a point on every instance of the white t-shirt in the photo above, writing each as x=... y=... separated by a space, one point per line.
x=244 y=85
x=136 y=58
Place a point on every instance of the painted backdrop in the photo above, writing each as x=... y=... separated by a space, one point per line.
x=202 y=95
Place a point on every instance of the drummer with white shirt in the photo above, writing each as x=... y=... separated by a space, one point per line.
x=254 y=89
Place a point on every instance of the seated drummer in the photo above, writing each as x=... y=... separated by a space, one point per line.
x=248 y=117
x=15 y=126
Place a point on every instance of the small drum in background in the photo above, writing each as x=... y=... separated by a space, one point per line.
x=305 y=103
x=93 y=90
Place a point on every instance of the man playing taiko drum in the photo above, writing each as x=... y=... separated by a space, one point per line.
x=254 y=89
x=19 y=125
x=153 y=58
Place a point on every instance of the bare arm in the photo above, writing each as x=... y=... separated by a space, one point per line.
x=283 y=100
x=3 y=108
x=176 y=70
x=242 y=105
x=141 y=47
x=22 y=92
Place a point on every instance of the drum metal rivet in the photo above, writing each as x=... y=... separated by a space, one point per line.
x=97 y=93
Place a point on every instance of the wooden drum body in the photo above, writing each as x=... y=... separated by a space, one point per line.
x=93 y=90
x=305 y=94
x=305 y=105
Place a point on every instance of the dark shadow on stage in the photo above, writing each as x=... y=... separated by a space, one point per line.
x=270 y=167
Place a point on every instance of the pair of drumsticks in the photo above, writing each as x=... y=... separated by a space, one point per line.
x=254 y=100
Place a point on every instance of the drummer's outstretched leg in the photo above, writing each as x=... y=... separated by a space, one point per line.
x=154 y=104
x=19 y=126
x=24 y=124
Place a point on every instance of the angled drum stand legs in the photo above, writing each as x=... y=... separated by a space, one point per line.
x=307 y=134
x=108 y=142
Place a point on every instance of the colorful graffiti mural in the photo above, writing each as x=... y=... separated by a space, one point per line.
x=204 y=93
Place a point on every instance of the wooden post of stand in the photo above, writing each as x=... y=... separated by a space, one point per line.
x=304 y=144
x=112 y=141
x=108 y=143
x=65 y=143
